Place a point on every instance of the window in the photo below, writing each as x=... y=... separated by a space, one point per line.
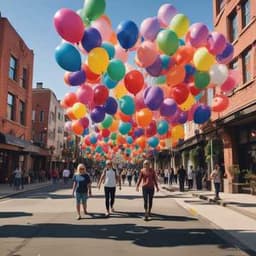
x=246 y=61
x=33 y=115
x=13 y=68
x=22 y=112
x=219 y=5
x=245 y=13
x=209 y=96
x=233 y=65
x=11 y=106
x=233 y=30
x=23 y=81
x=41 y=117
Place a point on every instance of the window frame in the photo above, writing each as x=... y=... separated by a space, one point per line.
x=233 y=29
x=245 y=72
x=11 y=107
x=24 y=78
x=13 y=68
x=22 y=112
x=245 y=22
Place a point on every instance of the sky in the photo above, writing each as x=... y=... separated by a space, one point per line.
x=33 y=20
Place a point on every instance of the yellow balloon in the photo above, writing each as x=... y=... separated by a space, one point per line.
x=120 y=91
x=114 y=125
x=179 y=24
x=203 y=60
x=185 y=106
x=79 y=110
x=178 y=132
x=98 y=60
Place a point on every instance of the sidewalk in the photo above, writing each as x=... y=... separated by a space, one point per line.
x=7 y=191
x=235 y=213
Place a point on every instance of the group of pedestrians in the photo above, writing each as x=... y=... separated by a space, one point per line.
x=111 y=178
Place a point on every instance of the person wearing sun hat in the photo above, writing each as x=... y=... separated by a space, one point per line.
x=110 y=178
x=149 y=182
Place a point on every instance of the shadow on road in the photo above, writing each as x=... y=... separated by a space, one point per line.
x=14 y=214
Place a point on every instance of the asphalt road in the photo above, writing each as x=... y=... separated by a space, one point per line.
x=43 y=222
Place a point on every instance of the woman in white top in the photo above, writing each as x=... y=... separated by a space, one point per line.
x=110 y=178
x=216 y=177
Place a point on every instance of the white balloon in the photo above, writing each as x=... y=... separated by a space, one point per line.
x=218 y=74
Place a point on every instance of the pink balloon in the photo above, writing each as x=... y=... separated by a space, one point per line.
x=84 y=122
x=67 y=126
x=121 y=54
x=139 y=101
x=216 y=43
x=147 y=53
x=85 y=94
x=103 y=27
x=229 y=84
x=69 y=25
x=165 y=14
x=198 y=35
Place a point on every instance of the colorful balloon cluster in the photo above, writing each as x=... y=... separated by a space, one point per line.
x=130 y=109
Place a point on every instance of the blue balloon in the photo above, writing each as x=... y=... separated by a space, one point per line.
x=110 y=106
x=68 y=57
x=202 y=114
x=86 y=132
x=138 y=132
x=162 y=127
x=165 y=61
x=181 y=42
x=98 y=114
x=109 y=48
x=93 y=139
x=127 y=105
x=127 y=34
x=124 y=127
x=153 y=142
x=91 y=39
x=109 y=82
x=129 y=140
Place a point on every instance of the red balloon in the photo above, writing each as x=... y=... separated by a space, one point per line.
x=70 y=99
x=134 y=81
x=179 y=93
x=100 y=94
x=105 y=133
x=151 y=129
x=90 y=76
x=193 y=90
x=220 y=103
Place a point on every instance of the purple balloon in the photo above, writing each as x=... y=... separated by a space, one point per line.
x=226 y=56
x=216 y=43
x=156 y=68
x=91 y=39
x=165 y=14
x=153 y=97
x=138 y=132
x=76 y=78
x=98 y=114
x=110 y=106
x=149 y=28
x=183 y=117
x=168 y=107
x=198 y=34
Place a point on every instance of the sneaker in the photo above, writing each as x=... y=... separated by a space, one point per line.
x=78 y=217
x=107 y=214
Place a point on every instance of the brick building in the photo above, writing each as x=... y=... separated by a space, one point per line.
x=236 y=127
x=48 y=124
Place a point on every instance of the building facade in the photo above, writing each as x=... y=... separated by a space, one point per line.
x=236 y=126
x=16 y=69
x=48 y=124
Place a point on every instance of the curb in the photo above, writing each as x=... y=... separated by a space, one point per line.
x=225 y=204
x=23 y=191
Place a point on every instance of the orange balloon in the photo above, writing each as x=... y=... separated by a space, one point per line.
x=114 y=125
x=70 y=114
x=184 y=55
x=141 y=141
x=70 y=99
x=176 y=75
x=120 y=139
x=77 y=127
x=113 y=38
x=106 y=18
x=123 y=117
x=144 y=117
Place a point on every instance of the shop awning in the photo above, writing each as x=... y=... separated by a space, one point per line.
x=12 y=140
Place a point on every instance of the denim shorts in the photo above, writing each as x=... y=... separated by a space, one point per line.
x=81 y=198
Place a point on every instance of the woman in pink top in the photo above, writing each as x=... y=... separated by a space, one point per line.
x=149 y=182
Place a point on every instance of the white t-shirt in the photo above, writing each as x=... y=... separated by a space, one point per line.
x=110 y=178
x=166 y=173
x=66 y=173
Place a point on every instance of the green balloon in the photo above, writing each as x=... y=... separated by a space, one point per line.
x=127 y=105
x=113 y=136
x=107 y=121
x=161 y=80
x=93 y=9
x=202 y=79
x=116 y=70
x=167 y=41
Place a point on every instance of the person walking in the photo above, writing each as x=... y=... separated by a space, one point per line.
x=81 y=189
x=190 y=177
x=148 y=178
x=182 y=176
x=66 y=175
x=216 y=177
x=110 y=178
